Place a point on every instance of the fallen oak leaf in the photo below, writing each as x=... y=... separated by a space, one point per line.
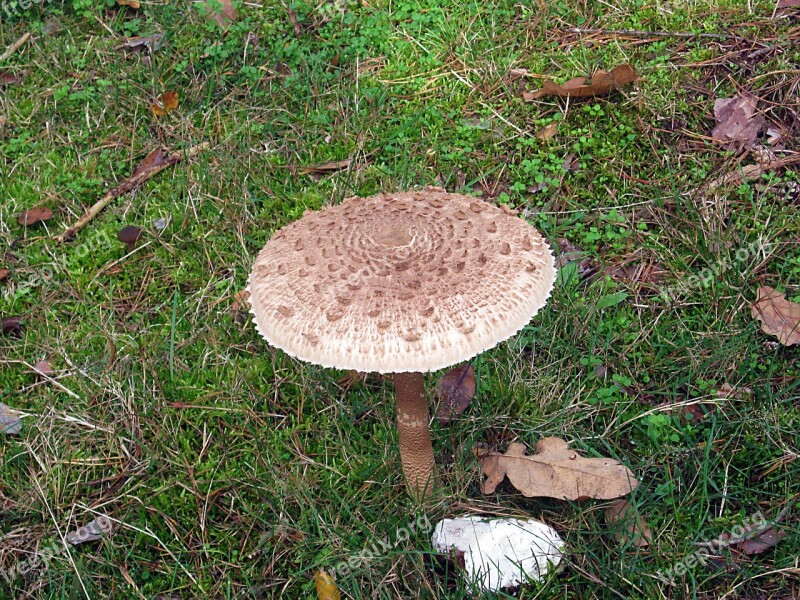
x=454 y=391
x=556 y=471
x=748 y=173
x=755 y=538
x=567 y=253
x=331 y=166
x=726 y=390
x=571 y=163
x=635 y=529
x=778 y=316
x=602 y=82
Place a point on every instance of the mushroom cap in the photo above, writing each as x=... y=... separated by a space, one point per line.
x=129 y=234
x=404 y=282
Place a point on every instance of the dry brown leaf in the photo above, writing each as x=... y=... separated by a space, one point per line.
x=240 y=307
x=454 y=392
x=326 y=586
x=220 y=11
x=778 y=316
x=548 y=131
x=151 y=162
x=755 y=538
x=4 y=273
x=602 y=83
x=556 y=471
x=10 y=422
x=567 y=252
x=635 y=529
x=11 y=326
x=34 y=215
x=738 y=122
x=43 y=368
x=787 y=4
x=769 y=538
x=130 y=3
x=7 y=78
x=571 y=163
x=167 y=102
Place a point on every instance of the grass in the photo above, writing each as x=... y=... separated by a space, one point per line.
x=233 y=471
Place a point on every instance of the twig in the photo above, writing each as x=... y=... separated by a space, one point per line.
x=640 y=33
x=13 y=47
x=748 y=173
x=128 y=185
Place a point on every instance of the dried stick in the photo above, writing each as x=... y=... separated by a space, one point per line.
x=13 y=47
x=140 y=175
x=749 y=172
x=639 y=33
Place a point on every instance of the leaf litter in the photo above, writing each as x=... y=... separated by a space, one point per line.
x=34 y=215
x=167 y=102
x=454 y=391
x=778 y=316
x=634 y=529
x=738 y=122
x=556 y=471
x=601 y=83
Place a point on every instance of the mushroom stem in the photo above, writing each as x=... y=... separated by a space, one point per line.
x=416 y=452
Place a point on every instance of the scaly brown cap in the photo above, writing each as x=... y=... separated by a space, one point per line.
x=404 y=282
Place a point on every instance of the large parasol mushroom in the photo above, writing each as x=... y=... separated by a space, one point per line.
x=400 y=283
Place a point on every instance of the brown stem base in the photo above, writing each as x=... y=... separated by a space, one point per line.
x=416 y=452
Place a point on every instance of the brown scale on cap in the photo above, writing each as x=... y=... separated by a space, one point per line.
x=382 y=267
